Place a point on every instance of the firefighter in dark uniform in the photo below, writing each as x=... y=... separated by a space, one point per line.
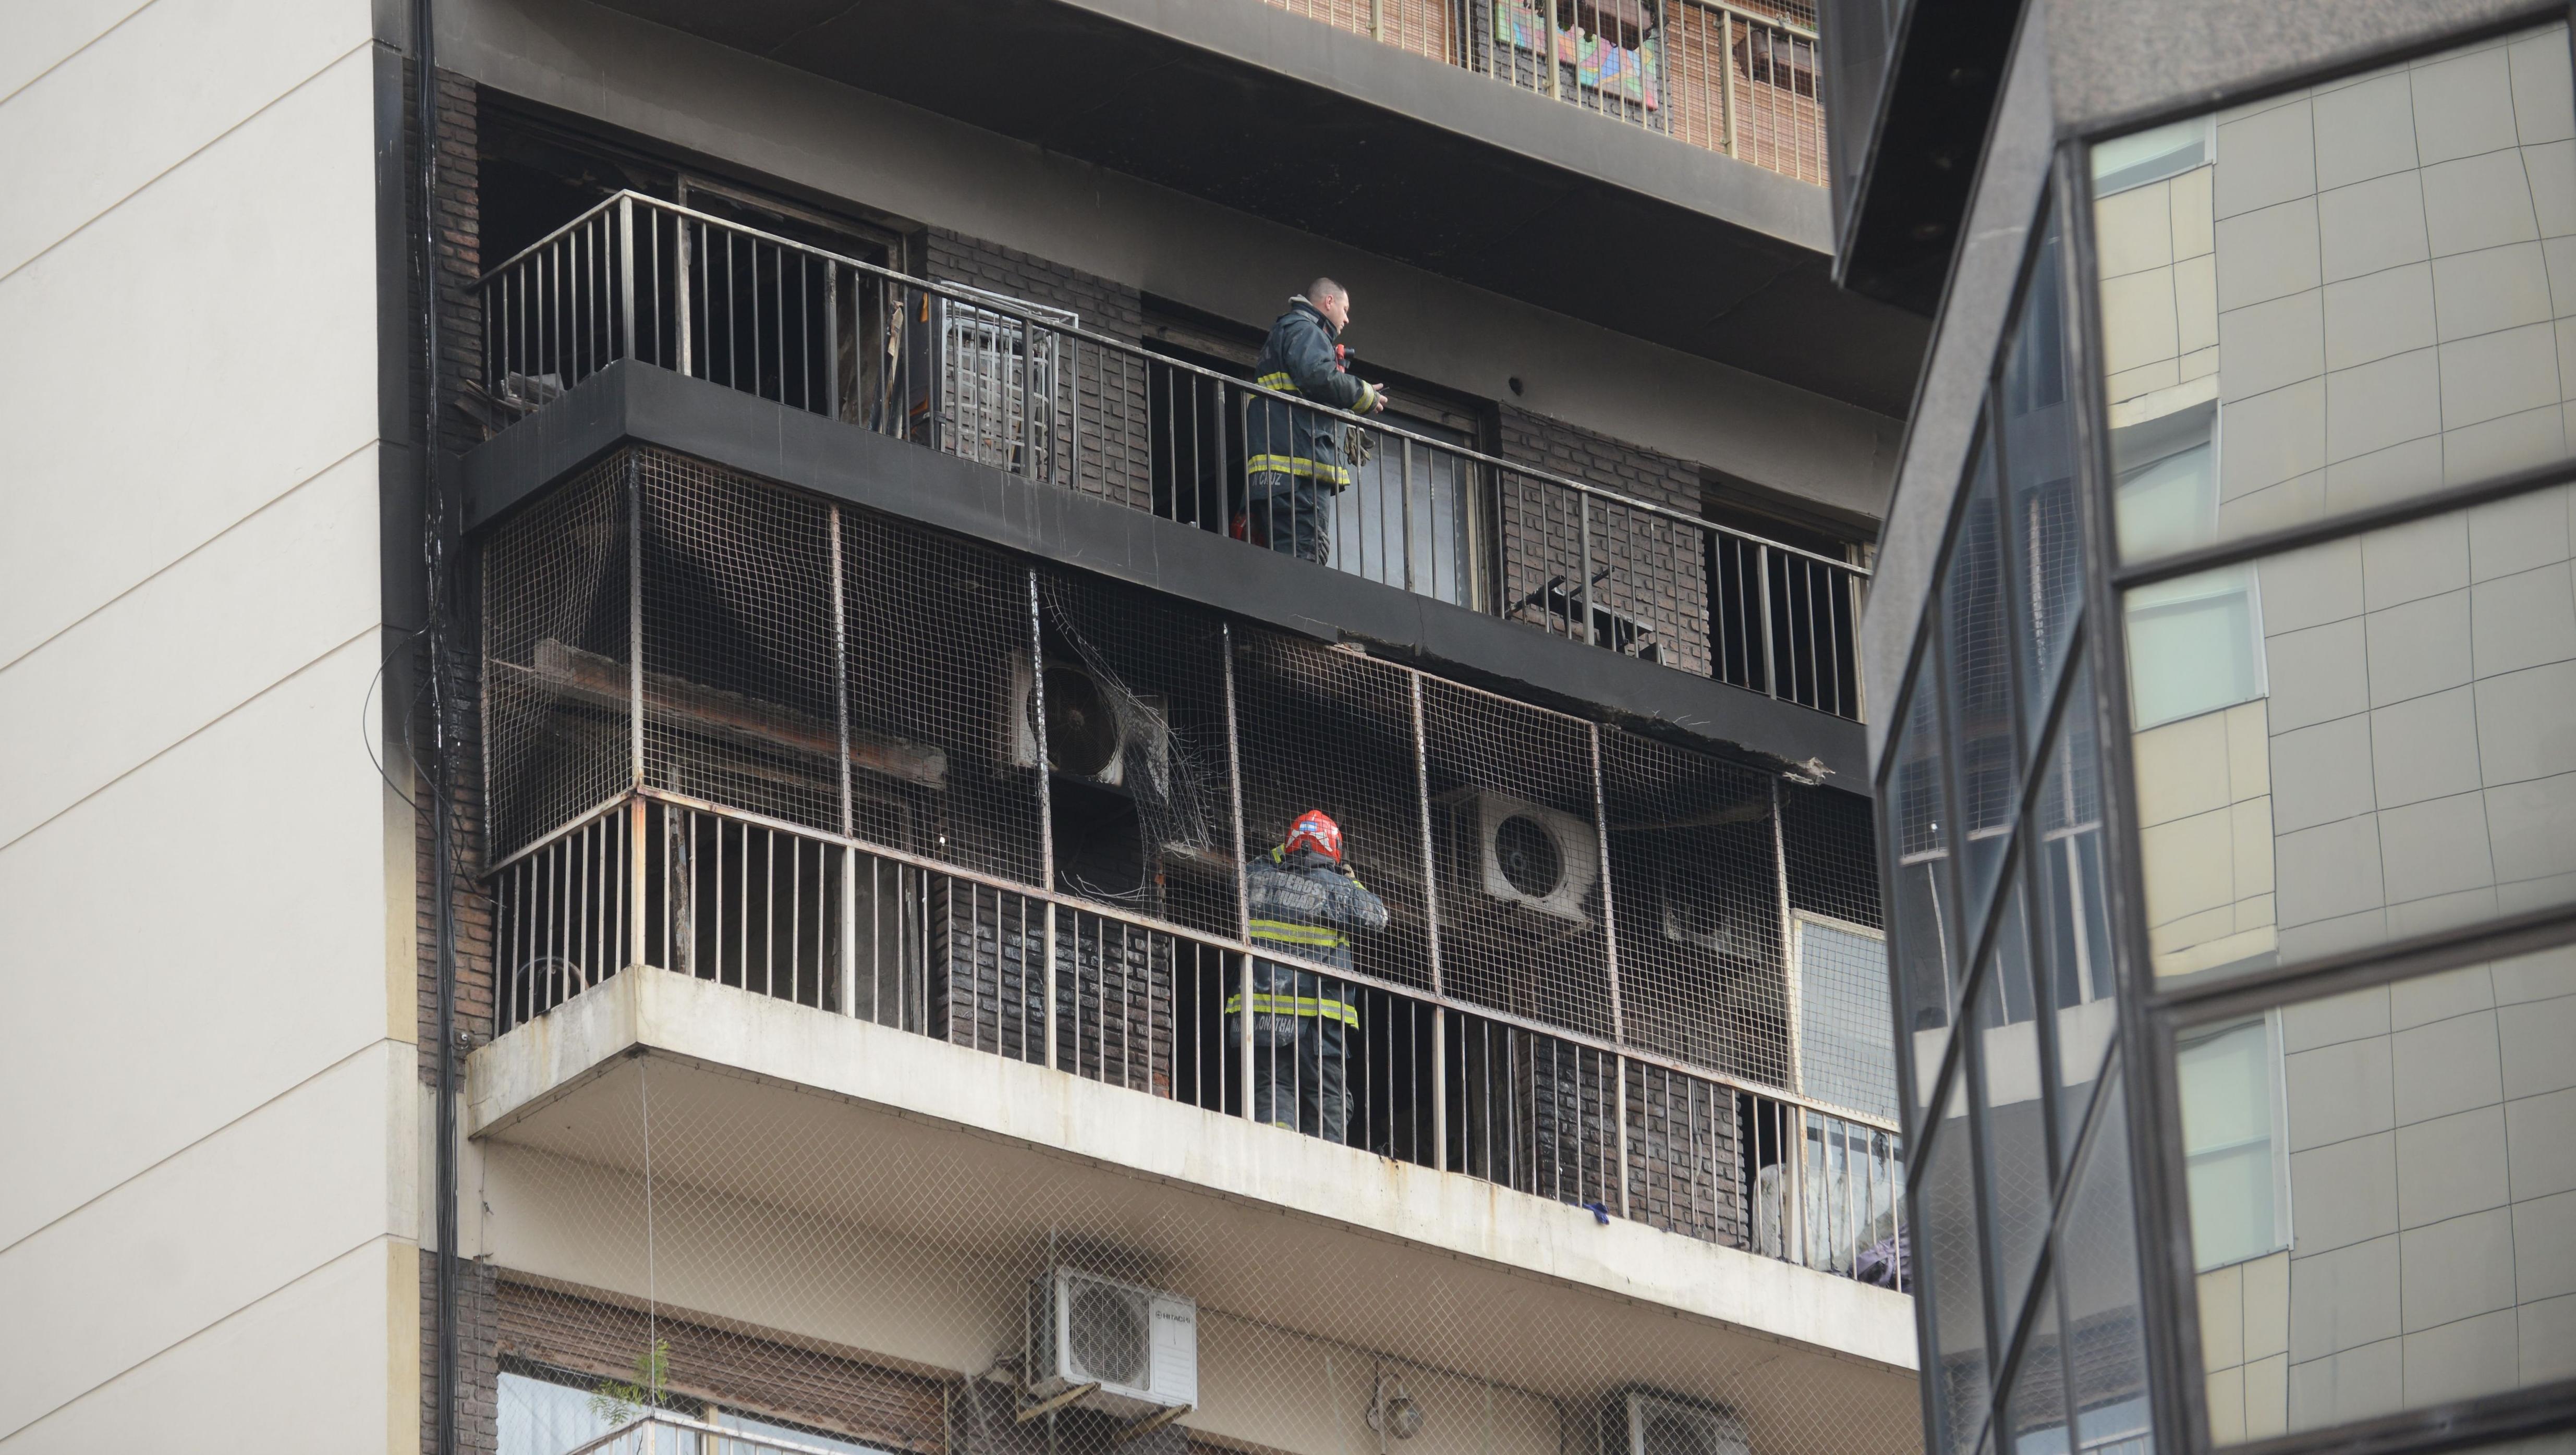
x=1306 y=903
x=1296 y=459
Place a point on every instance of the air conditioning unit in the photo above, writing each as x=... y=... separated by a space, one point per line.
x=975 y=371
x=1661 y=1425
x=1091 y=734
x=1520 y=854
x=1139 y=1345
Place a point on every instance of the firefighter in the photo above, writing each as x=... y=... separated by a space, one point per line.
x=1298 y=459
x=1305 y=901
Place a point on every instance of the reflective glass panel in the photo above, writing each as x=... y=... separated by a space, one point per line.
x=2340 y=296
x=2047 y=551
x=2097 y=1259
x=1945 y=1225
x=2037 y=1405
x=2422 y=1155
x=1981 y=707
x=2407 y=766
x=2011 y=1058
x=2073 y=923
x=2233 y=1163
x=1917 y=826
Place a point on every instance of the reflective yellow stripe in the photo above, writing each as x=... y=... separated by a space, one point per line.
x=1296 y=934
x=1292 y=465
x=1265 y=1003
x=1277 y=381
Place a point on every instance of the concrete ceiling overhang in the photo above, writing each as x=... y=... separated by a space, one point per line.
x=1332 y=133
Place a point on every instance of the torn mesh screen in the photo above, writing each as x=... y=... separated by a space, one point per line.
x=558 y=732
x=1698 y=905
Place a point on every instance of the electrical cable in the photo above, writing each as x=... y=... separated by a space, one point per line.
x=435 y=587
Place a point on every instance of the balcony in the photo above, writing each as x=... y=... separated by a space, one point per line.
x=1024 y=391
x=751 y=743
x=1736 y=80
x=1695 y=224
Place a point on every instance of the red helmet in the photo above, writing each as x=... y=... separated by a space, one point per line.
x=1313 y=830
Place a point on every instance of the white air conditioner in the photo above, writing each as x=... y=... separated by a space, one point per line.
x=1520 y=854
x=1091 y=734
x=1659 y=1425
x=1139 y=1345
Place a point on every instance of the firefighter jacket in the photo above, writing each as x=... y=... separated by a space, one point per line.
x=1282 y=439
x=1305 y=905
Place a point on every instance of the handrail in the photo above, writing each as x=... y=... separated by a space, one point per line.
x=1838 y=1171
x=996 y=303
x=1242 y=946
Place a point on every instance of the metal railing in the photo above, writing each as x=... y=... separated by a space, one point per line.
x=1734 y=78
x=850 y=928
x=1024 y=389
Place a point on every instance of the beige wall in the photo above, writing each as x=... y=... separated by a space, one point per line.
x=206 y=1016
x=2432 y=1187
x=2205 y=837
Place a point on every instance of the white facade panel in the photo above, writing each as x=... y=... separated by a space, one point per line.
x=190 y=356
x=215 y=1229
x=143 y=97
x=192 y=643
x=200 y=937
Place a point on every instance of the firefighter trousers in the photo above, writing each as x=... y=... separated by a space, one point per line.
x=1298 y=1070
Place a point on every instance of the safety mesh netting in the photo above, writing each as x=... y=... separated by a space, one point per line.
x=812 y=667
x=811 y=1267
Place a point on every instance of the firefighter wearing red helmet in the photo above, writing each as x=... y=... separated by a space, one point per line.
x=1305 y=902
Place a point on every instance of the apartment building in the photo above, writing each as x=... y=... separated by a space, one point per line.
x=687 y=655
x=2224 y=623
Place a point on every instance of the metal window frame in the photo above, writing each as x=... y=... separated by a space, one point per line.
x=1974 y=944
x=2152 y=1016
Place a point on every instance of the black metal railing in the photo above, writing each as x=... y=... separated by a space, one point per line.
x=1024 y=389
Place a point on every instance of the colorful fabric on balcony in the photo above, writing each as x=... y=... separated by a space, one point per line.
x=1598 y=62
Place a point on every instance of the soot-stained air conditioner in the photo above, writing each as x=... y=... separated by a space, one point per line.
x=1139 y=1345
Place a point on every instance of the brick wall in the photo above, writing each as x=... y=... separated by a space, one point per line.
x=1424 y=27
x=1661 y=583
x=478 y=1362
x=760 y=1374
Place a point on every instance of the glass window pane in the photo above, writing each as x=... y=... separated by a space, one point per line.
x=2097 y=1259
x=2037 y=1404
x=2039 y=481
x=1945 y=1223
x=2232 y=1160
x=1981 y=710
x=1843 y=1051
x=2339 y=297
x=2426 y=1124
x=2074 y=917
x=1925 y=926
x=2011 y=1059
x=2407 y=765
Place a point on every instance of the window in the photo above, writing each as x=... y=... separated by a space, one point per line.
x=1811 y=611
x=2195 y=646
x=1843 y=1051
x=546 y=1411
x=2233 y=1143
